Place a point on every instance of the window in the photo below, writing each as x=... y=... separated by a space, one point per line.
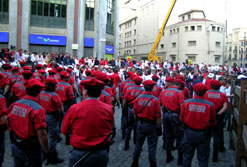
x=186 y=28
x=48 y=13
x=230 y=49
x=134 y=51
x=199 y=28
x=218 y=29
x=173 y=57
x=134 y=21
x=192 y=58
x=182 y=18
x=192 y=28
x=134 y=32
x=119 y=45
x=191 y=43
x=162 y=46
x=217 y=59
x=230 y=57
x=213 y=28
x=110 y=16
x=217 y=44
x=170 y=32
x=177 y=30
x=174 y=31
x=89 y=16
x=4 y=11
x=134 y=42
x=189 y=16
x=174 y=45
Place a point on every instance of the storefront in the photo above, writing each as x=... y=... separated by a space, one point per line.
x=47 y=43
x=88 y=47
x=4 y=39
x=109 y=52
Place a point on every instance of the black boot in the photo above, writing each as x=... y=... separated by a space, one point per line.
x=134 y=163
x=180 y=158
x=169 y=156
x=215 y=156
x=123 y=134
x=126 y=145
x=153 y=164
x=55 y=159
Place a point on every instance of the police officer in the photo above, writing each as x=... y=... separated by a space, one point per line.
x=148 y=115
x=26 y=122
x=2 y=126
x=53 y=105
x=6 y=73
x=89 y=123
x=157 y=89
x=131 y=94
x=220 y=102
x=198 y=116
x=172 y=99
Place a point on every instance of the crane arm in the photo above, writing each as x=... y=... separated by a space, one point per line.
x=152 y=55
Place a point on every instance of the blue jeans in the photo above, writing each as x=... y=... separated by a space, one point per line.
x=195 y=140
x=143 y=131
x=95 y=159
x=2 y=145
x=22 y=159
x=131 y=122
x=52 y=127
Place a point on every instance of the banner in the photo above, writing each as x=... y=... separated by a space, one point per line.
x=4 y=37
x=89 y=42
x=47 y=39
x=109 y=49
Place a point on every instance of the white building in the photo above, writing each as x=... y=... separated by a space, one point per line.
x=192 y=37
x=236 y=47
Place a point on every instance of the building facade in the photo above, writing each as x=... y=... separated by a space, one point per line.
x=192 y=37
x=236 y=52
x=83 y=28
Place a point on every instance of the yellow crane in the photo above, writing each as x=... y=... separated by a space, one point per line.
x=152 y=55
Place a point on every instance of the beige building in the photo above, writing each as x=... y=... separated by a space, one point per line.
x=192 y=37
x=236 y=51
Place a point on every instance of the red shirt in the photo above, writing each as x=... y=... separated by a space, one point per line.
x=108 y=90
x=186 y=93
x=105 y=97
x=114 y=90
x=198 y=113
x=217 y=98
x=151 y=110
x=12 y=79
x=127 y=86
x=208 y=83
x=128 y=80
x=116 y=79
x=2 y=106
x=26 y=116
x=50 y=101
x=90 y=123
x=171 y=98
x=156 y=90
x=6 y=74
x=65 y=91
x=133 y=92
x=19 y=90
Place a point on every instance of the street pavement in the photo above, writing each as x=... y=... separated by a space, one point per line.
x=120 y=158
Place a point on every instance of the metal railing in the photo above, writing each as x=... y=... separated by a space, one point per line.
x=4 y=18
x=43 y=21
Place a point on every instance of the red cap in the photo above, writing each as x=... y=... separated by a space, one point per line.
x=64 y=74
x=51 y=80
x=95 y=68
x=40 y=66
x=52 y=72
x=129 y=73
x=6 y=65
x=28 y=72
x=137 y=79
x=93 y=82
x=34 y=82
x=100 y=76
x=14 y=69
x=69 y=70
x=22 y=62
x=52 y=54
x=180 y=81
x=77 y=64
x=148 y=83
x=27 y=68
x=170 y=79
x=216 y=83
x=41 y=71
x=59 y=68
x=155 y=77
x=199 y=87
x=132 y=76
x=180 y=77
x=88 y=71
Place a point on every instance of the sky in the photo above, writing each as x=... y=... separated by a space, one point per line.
x=234 y=11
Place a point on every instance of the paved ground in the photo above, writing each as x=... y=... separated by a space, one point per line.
x=120 y=158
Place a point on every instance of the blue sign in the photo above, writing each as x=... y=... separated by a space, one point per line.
x=47 y=39
x=109 y=49
x=4 y=37
x=89 y=42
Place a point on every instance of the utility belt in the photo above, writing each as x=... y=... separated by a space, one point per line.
x=146 y=121
x=101 y=148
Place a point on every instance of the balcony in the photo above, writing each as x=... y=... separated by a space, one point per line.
x=4 y=18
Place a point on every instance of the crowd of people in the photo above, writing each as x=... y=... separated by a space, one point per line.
x=43 y=95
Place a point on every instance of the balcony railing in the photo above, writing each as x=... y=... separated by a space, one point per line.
x=43 y=21
x=4 y=18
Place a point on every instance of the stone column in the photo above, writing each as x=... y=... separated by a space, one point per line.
x=12 y=22
x=70 y=25
x=81 y=25
x=25 y=24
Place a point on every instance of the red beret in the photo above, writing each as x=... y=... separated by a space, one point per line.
x=148 y=83
x=52 y=54
x=93 y=82
x=26 y=68
x=180 y=77
x=6 y=65
x=41 y=71
x=95 y=68
x=180 y=81
x=22 y=62
x=77 y=64
x=3 y=49
x=129 y=73
x=64 y=74
x=34 y=82
x=93 y=73
x=216 y=83
x=51 y=80
x=88 y=71
x=40 y=66
x=69 y=70
x=27 y=72
x=137 y=79
x=14 y=69
x=100 y=76
x=59 y=68
x=52 y=71
x=199 y=87
x=170 y=79
x=155 y=77
x=132 y=76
